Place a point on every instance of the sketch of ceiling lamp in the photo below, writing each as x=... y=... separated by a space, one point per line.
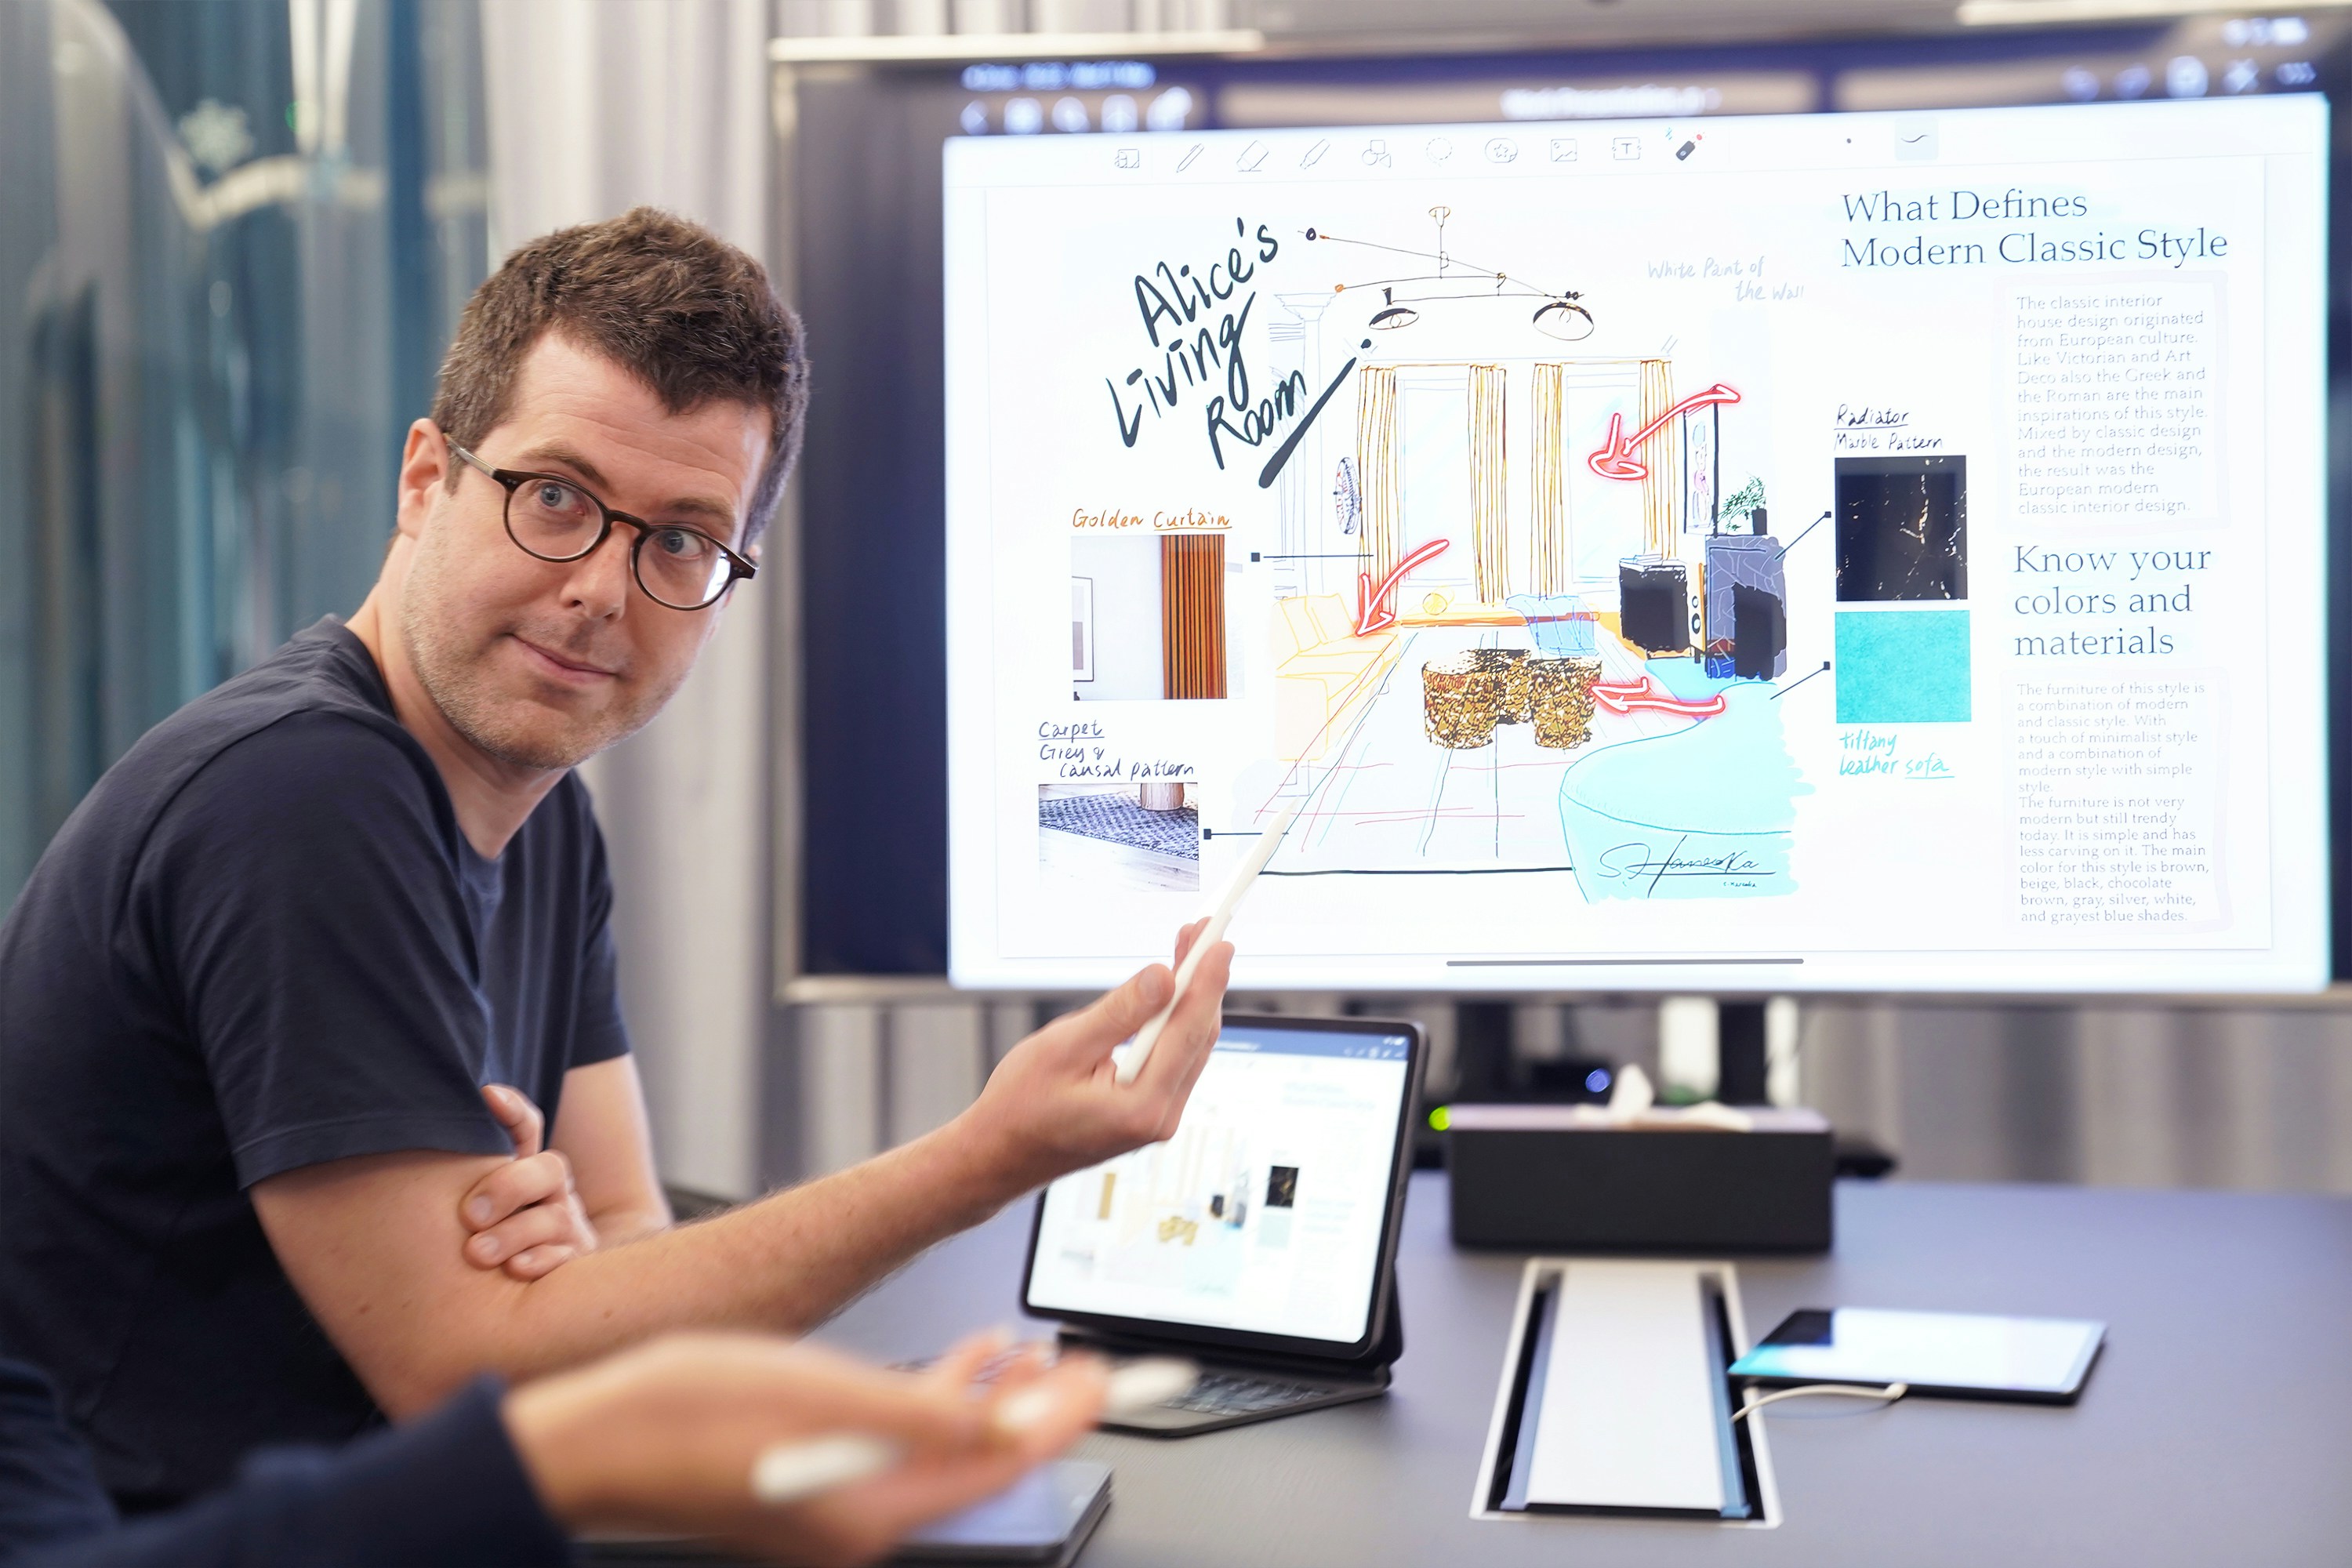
x=1559 y=315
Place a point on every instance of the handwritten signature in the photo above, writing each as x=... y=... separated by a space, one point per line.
x=1634 y=862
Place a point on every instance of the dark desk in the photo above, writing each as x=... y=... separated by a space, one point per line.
x=2217 y=1428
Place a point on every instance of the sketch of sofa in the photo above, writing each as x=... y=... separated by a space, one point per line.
x=1324 y=670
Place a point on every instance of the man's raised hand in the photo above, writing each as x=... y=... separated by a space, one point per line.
x=526 y=1217
x=1055 y=1105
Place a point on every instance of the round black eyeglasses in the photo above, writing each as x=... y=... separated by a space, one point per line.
x=555 y=519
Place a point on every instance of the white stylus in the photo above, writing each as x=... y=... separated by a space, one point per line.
x=1131 y=1055
x=795 y=1472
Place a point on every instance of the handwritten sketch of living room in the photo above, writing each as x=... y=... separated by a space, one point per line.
x=1520 y=626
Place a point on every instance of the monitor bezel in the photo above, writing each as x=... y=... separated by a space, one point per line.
x=1252 y=1341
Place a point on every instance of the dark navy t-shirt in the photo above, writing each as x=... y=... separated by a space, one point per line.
x=260 y=943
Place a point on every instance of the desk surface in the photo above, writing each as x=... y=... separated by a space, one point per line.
x=2216 y=1428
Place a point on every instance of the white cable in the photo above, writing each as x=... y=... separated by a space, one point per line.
x=1891 y=1393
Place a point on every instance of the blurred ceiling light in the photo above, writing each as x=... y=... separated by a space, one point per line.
x=216 y=135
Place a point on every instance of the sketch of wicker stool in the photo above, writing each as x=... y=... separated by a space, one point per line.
x=1462 y=699
x=1562 y=697
x=1511 y=664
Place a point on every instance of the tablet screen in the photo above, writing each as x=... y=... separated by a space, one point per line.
x=1263 y=1213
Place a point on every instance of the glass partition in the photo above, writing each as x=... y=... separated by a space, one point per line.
x=236 y=239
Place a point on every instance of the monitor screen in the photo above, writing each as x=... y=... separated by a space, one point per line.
x=1265 y=1212
x=1865 y=551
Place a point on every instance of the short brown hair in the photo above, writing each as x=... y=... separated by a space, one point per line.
x=677 y=307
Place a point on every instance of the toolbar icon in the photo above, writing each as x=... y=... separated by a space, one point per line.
x=1624 y=147
x=1376 y=154
x=1439 y=149
x=1563 y=149
x=1502 y=150
x=1252 y=158
x=1315 y=153
x=1128 y=158
x=1191 y=153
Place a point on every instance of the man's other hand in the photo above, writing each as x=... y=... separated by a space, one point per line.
x=1054 y=1104
x=665 y=1438
x=526 y=1217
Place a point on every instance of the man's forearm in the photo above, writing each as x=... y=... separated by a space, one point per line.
x=783 y=1263
x=376 y=1244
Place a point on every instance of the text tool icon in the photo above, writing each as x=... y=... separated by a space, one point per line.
x=1623 y=147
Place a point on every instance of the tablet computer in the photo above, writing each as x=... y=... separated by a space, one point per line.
x=1267 y=1224
x=1959 y=1355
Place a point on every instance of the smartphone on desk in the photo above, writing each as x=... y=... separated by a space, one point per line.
x=1959 y=1355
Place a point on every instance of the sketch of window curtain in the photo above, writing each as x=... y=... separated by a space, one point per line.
x=1549 y=510
x=1192 y=615
x=1663 y=455
x=1489 y=484
x=1376 y=470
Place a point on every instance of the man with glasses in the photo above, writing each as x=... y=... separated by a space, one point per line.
x=262 y=1174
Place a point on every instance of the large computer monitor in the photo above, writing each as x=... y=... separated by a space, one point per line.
x=1874 y=550
x=1828 y=551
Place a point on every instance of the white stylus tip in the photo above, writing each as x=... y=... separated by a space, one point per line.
x=1140 y=1384
x=792 y=1472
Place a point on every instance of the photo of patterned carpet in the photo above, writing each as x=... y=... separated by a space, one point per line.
x=1103 y=833
x=1117 y=819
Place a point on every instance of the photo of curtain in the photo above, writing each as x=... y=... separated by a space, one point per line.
x=1549 y=510
x=1489 y=485
x=1192 y=614
x=1377 y=469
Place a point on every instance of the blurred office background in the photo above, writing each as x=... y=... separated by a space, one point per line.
x=235 y=235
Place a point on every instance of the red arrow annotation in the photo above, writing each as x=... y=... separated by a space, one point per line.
x=1615 y=460
x=1373 y=612
x=1625 y=696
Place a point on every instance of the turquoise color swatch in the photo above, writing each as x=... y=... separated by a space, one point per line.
x=1902 y=667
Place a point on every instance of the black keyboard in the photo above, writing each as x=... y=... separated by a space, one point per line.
x=1237 y=1393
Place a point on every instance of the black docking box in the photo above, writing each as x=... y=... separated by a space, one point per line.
x=1565 y=1178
